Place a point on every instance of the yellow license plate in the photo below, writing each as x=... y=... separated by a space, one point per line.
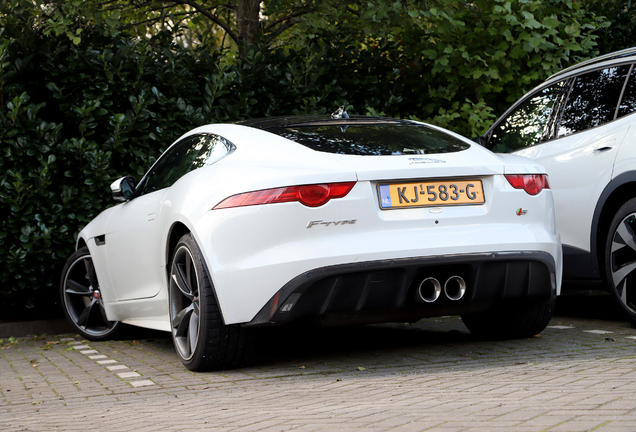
x=435 y=193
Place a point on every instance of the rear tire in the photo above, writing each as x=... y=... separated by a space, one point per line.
x=511 y=319
x=620 y=260
x=202 y=341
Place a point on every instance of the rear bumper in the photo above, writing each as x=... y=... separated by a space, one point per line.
x=386 y=290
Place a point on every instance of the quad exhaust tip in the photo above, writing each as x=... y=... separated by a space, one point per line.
x=430 y=289
x=455 y=288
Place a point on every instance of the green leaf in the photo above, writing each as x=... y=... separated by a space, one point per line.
x=550 y=22
x=573 y=29
x=429 y=53
x=443 y=61
x=535 y=41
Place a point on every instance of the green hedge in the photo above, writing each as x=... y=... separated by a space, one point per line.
x=78 y=113
x=73 y=119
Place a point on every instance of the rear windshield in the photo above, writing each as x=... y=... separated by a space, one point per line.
x=372 y=139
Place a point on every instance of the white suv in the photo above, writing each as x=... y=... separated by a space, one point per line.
x=581 y=125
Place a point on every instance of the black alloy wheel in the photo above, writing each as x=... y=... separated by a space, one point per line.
x=202 y=341
x=82 y=299
x=620 y=260
x=185 y=312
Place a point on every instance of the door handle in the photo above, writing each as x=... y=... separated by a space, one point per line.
x=602 y=150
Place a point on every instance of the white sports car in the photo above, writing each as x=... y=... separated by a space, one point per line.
x=328 y=220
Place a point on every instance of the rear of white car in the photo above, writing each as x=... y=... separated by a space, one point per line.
x=355 y=259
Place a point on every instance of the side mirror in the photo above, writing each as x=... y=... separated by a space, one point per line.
x=123 y=189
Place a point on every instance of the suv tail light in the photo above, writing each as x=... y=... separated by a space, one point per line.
x=531 y=183
x=313 y=195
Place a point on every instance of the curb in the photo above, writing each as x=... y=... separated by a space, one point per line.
x=26 y=328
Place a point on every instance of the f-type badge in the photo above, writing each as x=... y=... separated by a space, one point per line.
x=521 y=212
x=334 y=223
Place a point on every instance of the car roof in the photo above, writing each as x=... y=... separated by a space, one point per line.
x=319 y=120
x=628 y=52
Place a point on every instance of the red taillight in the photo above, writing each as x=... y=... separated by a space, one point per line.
x=310 y=195
x=531 y=183
x=313 y=195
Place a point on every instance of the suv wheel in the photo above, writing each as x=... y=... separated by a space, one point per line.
x=620 y=260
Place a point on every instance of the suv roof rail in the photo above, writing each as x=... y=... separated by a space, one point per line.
x=610 y=56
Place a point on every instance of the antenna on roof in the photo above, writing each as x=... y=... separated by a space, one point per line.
x=341 y=113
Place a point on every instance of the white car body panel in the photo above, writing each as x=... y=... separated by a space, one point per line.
x=626 y=157
x=579 y=167
x=136 y=220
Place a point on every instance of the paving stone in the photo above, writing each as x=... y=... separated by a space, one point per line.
x=141 y=383
x=128 y=374
x=117 y=367
x=97 y=357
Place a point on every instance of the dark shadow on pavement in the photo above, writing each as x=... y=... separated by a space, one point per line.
x=586 y=301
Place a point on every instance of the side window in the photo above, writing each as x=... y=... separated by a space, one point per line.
x=592 y=100
x=529 y=123
x=189 y=154
x=213 y=149
x=628 y=104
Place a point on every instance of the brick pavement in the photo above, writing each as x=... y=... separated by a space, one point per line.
x=429 y=376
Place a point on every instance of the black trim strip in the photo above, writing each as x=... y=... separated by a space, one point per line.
x=620 y=98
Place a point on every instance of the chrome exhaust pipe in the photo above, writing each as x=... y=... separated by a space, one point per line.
x=455 y=288
x=429 y=290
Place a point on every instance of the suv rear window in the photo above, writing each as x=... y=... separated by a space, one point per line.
x=372 y=139
x=592 y=100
